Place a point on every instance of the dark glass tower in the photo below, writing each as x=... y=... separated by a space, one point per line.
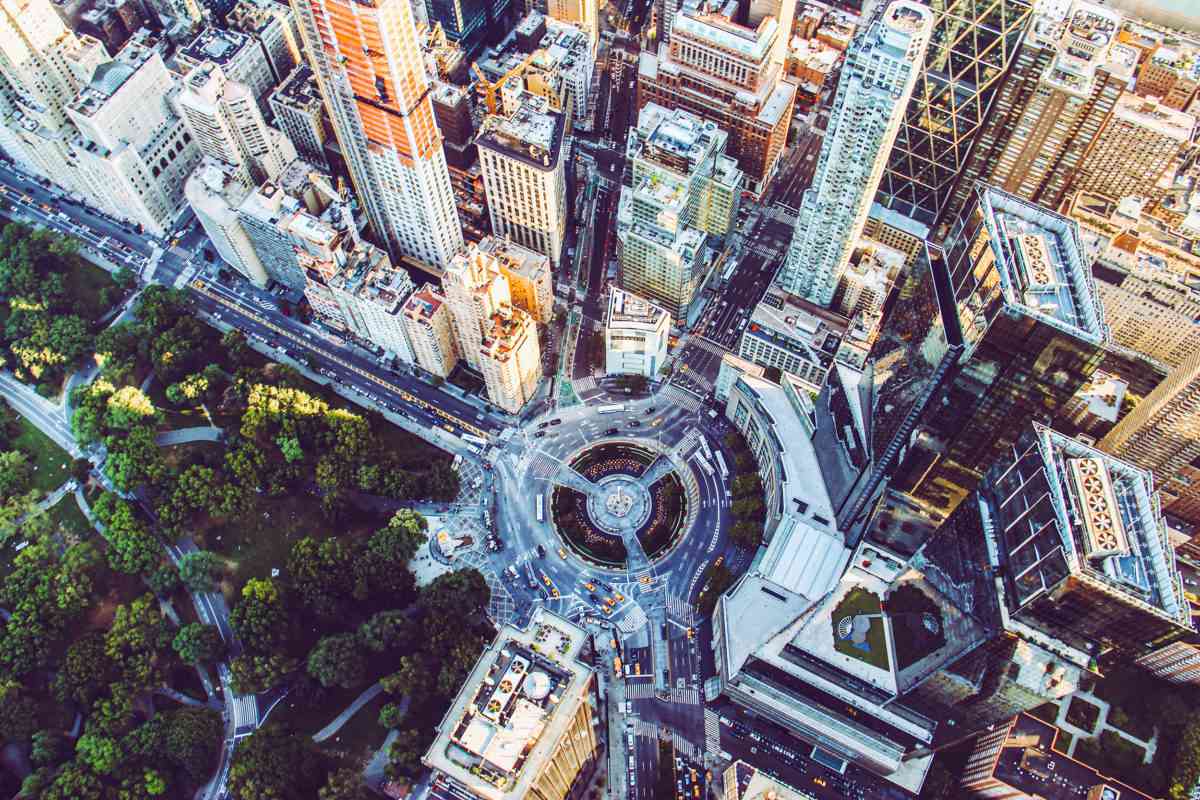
x=1000 y=327
x=471 y=23
x=970 y=52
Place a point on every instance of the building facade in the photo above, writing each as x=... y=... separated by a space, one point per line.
x=529 y=274
x=636 y=334
x=1139 y=142
x=215 y=191
x=876 y=82
x=1000 y=327
x=682 y=201
x=380 y=110
x=524 y=175
x=429 y=330
x=727 y=74
x=238 y=55
x=793 y=335
x=524 y=723
x=1064 y=82
x=950 y=102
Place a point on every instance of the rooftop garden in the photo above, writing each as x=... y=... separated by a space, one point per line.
x=858 y=628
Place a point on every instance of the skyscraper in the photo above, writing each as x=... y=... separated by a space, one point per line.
x=368 y=62
x=877 y=79
x=1162 y=433
x=1001 y=327
x=729 y=74
x=684 y=189
x=971 y=47
x=224 y=120
x=1063 y=84
x=524 y=174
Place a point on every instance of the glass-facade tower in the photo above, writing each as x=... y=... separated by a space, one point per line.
x=971 y=49
x=1001 y=326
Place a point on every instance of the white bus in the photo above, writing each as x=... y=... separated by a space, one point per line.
x=728 y=273
x=474 y=449
x=707 y=467
x=721 y=465
x=473 y=439
x=541 y=508
x=617 y=408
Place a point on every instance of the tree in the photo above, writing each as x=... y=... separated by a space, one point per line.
x=196 y=642
x=413 y=678
x=15 y=473
x=18 y=713
x=391 y=715
x=323 y=576
x=344 y=784
x=100 y=753
x=74 y=782
x=273 y=764
x=404 y=756
x=746 y=534
x=1185 y=771
x=132 y=549
x=253 y=674
x=81 y=470
x=129 y=406
x=388 y=631
x=262 y=618
x=198 y=570
x=48 y=748
x=164 y=580
x=338 y=661
x=137 y=642
x=134 y=459
x=84 y=671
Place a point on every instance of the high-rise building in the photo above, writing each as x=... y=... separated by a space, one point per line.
x=727 y=74
x=131 y=153
x=524 y=174
x=524 y=723
x=226 y=124
x=529 y=274
x=42 y=67
x=793 y=335
x=1178 y=662
x=1144 y=277
x=429 y=328
x=1063 y=84
x=238 y=55
x=283 y=218
x=972 y=45
x=1024 y=758
x=1134 y=149
x=215 y=191
x=636 y=334
x=493 y=334
x=300 y=114
x=380 y=110
x=471 y=24
x=272 y=24
x=581 y=13
x=683 y=197
x=1162 y=433
x=1000 y=327
x=356 y=288
x=510 y=360
x=877 y=79
x=1169 y=73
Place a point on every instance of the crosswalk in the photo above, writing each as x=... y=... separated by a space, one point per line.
x=712 y=731
x=689 y=696
x=541 y=466
x=634 y=618
x=681 y=397
x=584 y=384
x=640 y=690
x=245 y=713
x=681 y=610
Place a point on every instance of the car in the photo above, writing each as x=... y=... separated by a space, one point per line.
x=635 y=423
x=562 y=553
x=539 y=434
x=556 y=422
x=650 y=410
x=541 y=551
x=542 y=425
x=611 y=432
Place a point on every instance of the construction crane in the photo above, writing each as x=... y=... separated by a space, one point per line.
x=491 y=88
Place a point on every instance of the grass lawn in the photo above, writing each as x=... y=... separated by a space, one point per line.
x=86 y=282
x=51 y=464
x=361 y=735
x=860 y=601
x=69 y=519
x=1138 y=726
x=1083 y=714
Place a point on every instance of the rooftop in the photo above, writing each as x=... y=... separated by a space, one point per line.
x=515 y=258
x=719 y=30
x=753 y=784
x=109 y=77
x=808 y=329
x=214 y=44
x=299 y=90
x=424 y=303
x=1029 y=763
x=1147 y=112
x=514 y=706
x=1042 y=265
x=532 y=134
x=1108 y=530
x=676 y=137
x=628 y=310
